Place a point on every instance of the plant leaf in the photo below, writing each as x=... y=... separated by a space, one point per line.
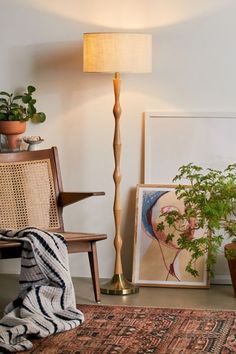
x=18 y=97
x=38 y=117
x=26 y=98
x=31 y=89
x=3 y=116
x=5 y=94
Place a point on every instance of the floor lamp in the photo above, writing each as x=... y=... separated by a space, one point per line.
x=115 y=53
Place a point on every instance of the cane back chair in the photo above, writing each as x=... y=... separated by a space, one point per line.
x=31 y=194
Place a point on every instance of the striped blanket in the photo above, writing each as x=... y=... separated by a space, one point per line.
x=46 y=301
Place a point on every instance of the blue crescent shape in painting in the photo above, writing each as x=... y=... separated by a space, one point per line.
x=149 y=200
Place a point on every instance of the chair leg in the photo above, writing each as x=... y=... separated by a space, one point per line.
x=93 y=261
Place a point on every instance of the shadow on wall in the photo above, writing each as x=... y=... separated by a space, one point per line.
x=58 y=57
x=57 y=66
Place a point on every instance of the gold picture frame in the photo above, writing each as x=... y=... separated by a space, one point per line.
x=156 y=262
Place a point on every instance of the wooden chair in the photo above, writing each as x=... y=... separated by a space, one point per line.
x=31 y=194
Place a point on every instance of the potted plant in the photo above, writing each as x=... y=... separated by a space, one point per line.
x=210 y=206
x=15 y=111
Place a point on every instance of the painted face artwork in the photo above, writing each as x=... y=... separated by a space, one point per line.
x=155 y=204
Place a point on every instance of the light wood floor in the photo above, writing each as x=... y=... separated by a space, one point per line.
x=217 y=297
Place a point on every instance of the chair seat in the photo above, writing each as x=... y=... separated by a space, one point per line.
x=72 y=239
x=81 y=242
x=80 y=236
x=76 y=243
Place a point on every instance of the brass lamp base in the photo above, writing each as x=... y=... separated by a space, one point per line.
x=118 y=285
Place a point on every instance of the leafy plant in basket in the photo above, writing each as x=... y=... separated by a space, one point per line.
x=210 y=206
x=20 y=107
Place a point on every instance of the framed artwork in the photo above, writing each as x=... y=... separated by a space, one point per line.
x=173 y=139
x=176 y=138
x=156 y=262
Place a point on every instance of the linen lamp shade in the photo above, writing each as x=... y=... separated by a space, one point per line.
x=117 y=52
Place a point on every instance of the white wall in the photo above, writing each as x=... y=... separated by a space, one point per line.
x=194 y=58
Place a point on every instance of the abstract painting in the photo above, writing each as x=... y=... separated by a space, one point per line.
x=158 y=262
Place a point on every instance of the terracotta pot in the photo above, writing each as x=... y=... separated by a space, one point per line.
x=12 y=130
x=232 y=264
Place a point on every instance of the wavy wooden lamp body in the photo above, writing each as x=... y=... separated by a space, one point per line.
x=118 y=285
x=115 y=53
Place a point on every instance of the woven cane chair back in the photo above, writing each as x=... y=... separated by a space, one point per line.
x=28 y=191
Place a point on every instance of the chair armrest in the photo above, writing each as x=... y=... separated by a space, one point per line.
x=67 y=198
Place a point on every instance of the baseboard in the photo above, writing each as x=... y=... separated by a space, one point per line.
x=221 y=279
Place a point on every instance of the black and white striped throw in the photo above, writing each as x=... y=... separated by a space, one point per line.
x=46 y=301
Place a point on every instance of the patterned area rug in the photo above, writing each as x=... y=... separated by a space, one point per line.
x=122 y=329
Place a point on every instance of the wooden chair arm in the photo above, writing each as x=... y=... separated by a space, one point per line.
x=67 y=198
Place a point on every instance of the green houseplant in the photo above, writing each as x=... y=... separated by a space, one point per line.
x=15 y=111
x=210 y=203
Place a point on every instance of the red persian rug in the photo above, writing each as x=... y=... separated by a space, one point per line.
x=122 y=329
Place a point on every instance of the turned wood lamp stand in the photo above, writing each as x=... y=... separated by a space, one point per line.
x=114 y=53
